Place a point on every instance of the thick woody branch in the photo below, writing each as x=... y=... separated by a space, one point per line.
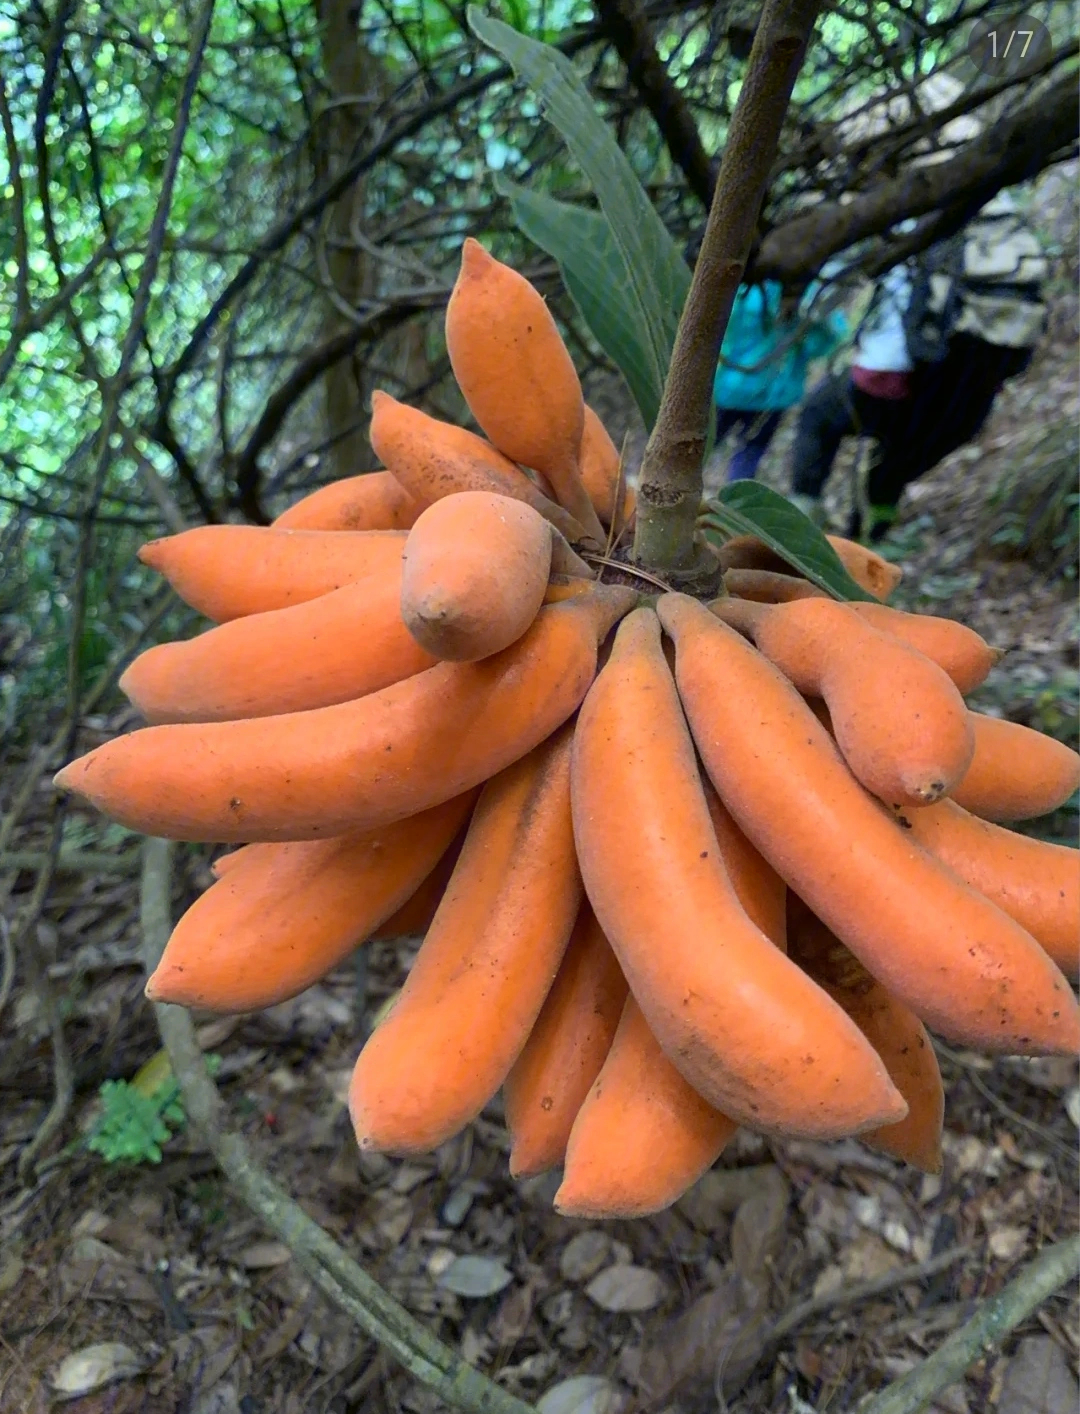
x=1018 y=146
x=671 y=474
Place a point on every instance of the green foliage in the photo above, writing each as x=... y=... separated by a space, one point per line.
x=1034 y=511
x=750 y=508
x=594 y=273
x=267 y=127
x=642 y=268
x=116 y=89
x=132 y=1127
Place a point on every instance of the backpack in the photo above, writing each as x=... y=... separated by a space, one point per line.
x=986 y=281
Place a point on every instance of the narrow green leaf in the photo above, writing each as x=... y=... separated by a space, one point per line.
x=594 y=273
x=657 y=279
x=748 y=508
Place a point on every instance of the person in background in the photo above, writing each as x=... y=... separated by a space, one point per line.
x=767 y=349
x=869 y=399
x=942 y=335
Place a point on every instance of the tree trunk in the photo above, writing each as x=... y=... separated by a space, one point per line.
x=357 y=85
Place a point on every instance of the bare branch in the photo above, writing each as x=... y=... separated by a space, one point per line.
x=26 y=946
x=1016 y=147
x=18 y=201
x=625 y=22
x=278 y=237
x=374 y=327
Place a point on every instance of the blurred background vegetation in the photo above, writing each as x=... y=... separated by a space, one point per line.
x=223 y=222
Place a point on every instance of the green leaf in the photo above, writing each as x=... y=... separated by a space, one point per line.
x=748 y=508
x=656 y=277
x=594 y=273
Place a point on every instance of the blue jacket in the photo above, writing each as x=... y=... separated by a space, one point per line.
x=754 y=335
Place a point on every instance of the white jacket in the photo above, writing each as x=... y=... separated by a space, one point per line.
x=881 y=345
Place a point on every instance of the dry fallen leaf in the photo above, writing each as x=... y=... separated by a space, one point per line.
x=719 y=1193
x=511 y=1320
x=93 y=1367
x=474 y=1276
x=456 y=1208
x=626 y=1288
x=868 y=1257
x=222 y=1399
x=585 y=1254
x=408 y=1177
x=202 y=1358
x=1007 y=1243
x=951 y=1400
x=1038 y=1380
x=12 y=1266
x=583 y=1394
x=1072 y=1105
x=92 y=1265
x=261 y=1255
x=394 y=1215
x=725 y=1327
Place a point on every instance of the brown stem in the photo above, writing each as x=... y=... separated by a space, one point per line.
x=671 y=472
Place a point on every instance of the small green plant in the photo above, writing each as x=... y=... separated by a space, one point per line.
x=132 y=1127
x=134 y=1124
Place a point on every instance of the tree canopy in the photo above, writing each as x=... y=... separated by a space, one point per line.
x=225 y=221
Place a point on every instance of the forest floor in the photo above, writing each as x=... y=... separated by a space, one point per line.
x=208 y=1315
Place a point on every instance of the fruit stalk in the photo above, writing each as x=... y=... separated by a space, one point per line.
x=671 y=474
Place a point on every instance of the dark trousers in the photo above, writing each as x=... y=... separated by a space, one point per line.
x=834 y=410
x=756 y=431
x=949 y=404
x=951 y=401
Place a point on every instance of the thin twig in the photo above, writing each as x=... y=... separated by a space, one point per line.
x=329 y=1266
x=846 y=1296
x=72 y=861
x=995 y=1318
x=670 y=486
x=45 y=756
x=627 y=24
x=7 y=974
x=1047 y=1136
x=635 y=570
x=27 y=947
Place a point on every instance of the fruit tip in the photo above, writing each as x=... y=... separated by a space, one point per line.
x=123 y=682
x=932 y=1161
x=570 y=1204
x=63 y=778
x=898 y=1108
x=525 y=1165
x=150 y=553
x=474 y=258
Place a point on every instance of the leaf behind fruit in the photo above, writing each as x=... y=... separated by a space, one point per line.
x=748 y=508
x=594 y=272
x=657 y=279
